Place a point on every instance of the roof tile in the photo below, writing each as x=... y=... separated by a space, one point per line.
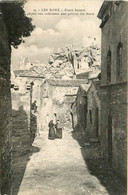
x=67 y=83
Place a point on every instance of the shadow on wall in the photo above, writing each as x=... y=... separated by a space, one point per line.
x=79 y=118
x=22 y=139
x=97 y=167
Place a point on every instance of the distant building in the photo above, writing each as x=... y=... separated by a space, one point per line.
x=22 y=78
x=57 y=96
x=24 y=63
x=114 y=63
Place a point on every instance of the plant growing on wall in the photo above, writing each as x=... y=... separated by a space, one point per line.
x=18 y=24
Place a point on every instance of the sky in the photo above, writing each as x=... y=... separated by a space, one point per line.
x=53 y=32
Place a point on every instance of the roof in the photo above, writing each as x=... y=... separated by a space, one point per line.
x=103 y=8
x=28 y=73
x=85 y=73
x=32 y=72
x=94 y=75
x=18 y=72
x=66 y=83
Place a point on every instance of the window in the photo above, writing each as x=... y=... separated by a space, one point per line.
x=109 y=66
x=119 y=60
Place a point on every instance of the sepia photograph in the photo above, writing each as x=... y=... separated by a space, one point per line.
x=63 y=97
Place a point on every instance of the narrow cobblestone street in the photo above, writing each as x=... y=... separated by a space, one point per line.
x=58 y=168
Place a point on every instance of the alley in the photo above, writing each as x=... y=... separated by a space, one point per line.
x=58 y=168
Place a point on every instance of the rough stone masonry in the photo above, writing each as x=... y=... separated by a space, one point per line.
x=5 y=110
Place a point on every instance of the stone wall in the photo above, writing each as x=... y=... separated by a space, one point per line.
x=115 y=31
x=114 y=92
x=94 y=112
x=81 y=110
x=114 y=134
x=21 y=115
x=56 y=100
x=24 y=129
x=5 y=110
x=21 y=102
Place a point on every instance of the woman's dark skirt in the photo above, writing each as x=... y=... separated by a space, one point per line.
x=51 y=134
x=59 y=133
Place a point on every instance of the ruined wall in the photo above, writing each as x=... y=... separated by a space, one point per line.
x=114 y=97
x=21 y=101
x=56 y=100
x=36 y=95
x=45 y=106
x=66 y=116
x=5 y=110
x=21 y=115
x=23 y=83
x=23 y=131
x=36 y=91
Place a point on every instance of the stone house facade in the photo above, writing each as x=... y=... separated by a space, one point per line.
x=79 y=108
x=57 y=96
x=114 y=52
x=94 y=110
x=23 y=78
x=86 y=109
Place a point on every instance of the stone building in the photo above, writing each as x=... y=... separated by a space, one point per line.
x=57 y=97
x=27 y=87
x=114 y=62
x=5 y=110
x=94 y=110
x=79 y=108
x=86 y=109
x=23 y=78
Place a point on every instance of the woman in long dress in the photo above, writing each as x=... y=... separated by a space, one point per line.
x=58 y=130
x=51 y=134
